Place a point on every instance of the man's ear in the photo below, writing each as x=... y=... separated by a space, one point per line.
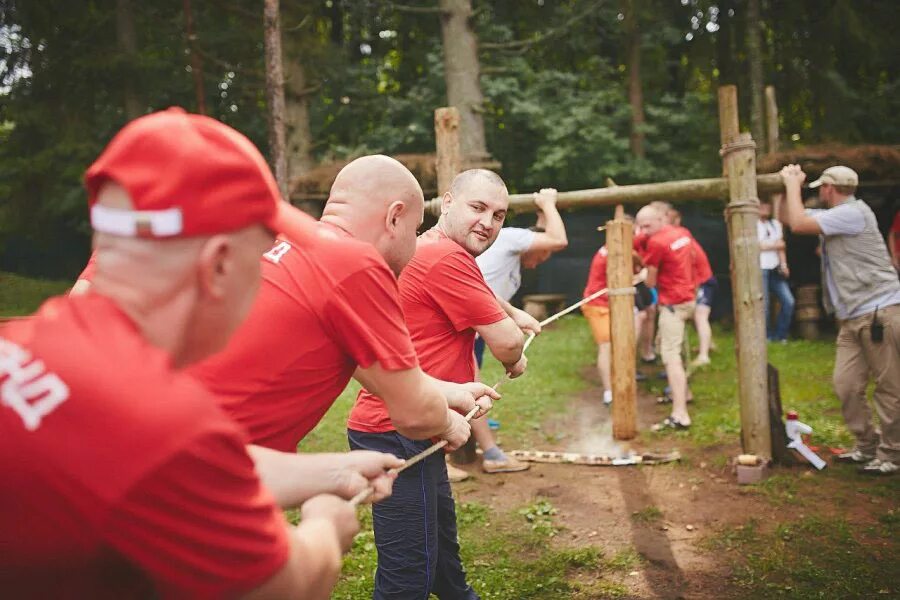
x=215 y=266
x=394 y=214
x=446 y=201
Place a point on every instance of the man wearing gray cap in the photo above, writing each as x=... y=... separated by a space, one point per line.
x=862 y=290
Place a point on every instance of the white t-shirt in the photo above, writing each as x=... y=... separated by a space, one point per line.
x=769 y=231
x=501 y=264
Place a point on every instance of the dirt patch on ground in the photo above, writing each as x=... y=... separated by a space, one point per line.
x=663 y=512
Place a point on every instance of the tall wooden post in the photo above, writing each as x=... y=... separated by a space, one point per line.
x=742 y=214
x=619 y=275
x=771 y=120
x=449 y=157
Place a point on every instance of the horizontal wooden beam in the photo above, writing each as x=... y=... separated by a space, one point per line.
x=669 y=191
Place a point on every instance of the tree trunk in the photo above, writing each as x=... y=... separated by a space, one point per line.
x=196 y=59
x=127 y=40
x=299 y=134
x=757 y=90
x=635 y=88
x=724 y=51
x=462 y=72
x=275 y=94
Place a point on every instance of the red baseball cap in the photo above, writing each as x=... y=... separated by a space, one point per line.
x=188 y=175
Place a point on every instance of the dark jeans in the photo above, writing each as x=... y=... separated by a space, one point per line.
x=415 y=529
x=775 y=283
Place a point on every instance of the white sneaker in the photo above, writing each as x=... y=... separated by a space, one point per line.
x=855 y=456
x=880 y=467
x=607 y=397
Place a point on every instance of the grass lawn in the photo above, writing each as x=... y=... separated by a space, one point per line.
x=832 y=534
x=21 y=295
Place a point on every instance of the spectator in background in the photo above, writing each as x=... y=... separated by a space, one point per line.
x=861 y=288
x=894 y=241
x=775 y=272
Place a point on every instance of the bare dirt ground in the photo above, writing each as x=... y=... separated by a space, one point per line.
x=662 y=512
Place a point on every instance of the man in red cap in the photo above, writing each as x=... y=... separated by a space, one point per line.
x=122 y=477
x=446 y=301
x=328 y=310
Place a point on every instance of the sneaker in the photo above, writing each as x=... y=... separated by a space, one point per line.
x=879 y=467
x=509 y=465
x=607 y=397
x=700 y=361
x=455 y=474
x=855 y=456
x=670 y=423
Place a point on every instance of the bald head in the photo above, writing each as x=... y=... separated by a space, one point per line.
x=650 y=219
x=475 y=179
x=473 y=209
x=377 y=200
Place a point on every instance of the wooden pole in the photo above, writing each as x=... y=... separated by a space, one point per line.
x=619 y=275
x=671 y=191
x=742 y=214
x=275 y=94
x=771 y=120
x=448 y=161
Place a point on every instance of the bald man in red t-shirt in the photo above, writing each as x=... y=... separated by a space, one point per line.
x=446 y=302
x=670 y=268
x=328 y=311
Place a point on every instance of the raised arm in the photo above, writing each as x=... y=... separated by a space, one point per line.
x=793 y=214
x=553 y=238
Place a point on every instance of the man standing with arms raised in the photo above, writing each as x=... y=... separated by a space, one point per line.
x=329 y=310
x=861 y=289
x=446 y=301
x=501 y=265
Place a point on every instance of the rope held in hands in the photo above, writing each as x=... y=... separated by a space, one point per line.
x=367 y=493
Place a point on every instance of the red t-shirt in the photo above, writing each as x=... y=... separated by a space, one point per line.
x=895 y=228
x=322 y=310
x=669 y=250
x=121 y=477
x=444 y=296
x=702 y=269
x=597 y=278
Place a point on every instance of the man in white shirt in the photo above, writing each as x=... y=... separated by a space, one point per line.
x=775 y=272
x=501 y=265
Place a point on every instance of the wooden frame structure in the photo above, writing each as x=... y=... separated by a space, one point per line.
x=739 y=188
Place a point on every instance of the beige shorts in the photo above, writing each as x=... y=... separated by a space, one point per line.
x=671 y=330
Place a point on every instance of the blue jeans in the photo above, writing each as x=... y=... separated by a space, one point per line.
x=775 y=283
x=415 y=529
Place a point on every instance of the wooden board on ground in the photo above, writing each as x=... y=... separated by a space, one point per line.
x=599 y=460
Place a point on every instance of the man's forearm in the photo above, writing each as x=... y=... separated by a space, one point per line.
x=508 y=308
x=554 y=226
x=793 y=205
x=293 y=479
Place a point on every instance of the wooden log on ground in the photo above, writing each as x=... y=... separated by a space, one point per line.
x=742 y=215
x=619 y=273
x=670 y=191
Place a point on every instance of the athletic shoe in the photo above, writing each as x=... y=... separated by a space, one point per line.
x=855 y=456
x=880 y=467
x=700 y=361
x=455 y=475
x=607 y=397
x=669 y=423
x=509 y=465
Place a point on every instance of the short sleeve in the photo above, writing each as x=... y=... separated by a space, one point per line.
x=458 y=288
x=653 y=253
x=519 y=240
x=201 y=525
x=365 y=317
x=845 y=219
